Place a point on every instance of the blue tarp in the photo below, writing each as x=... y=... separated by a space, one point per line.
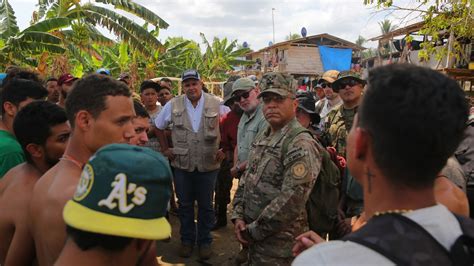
x=335 y=58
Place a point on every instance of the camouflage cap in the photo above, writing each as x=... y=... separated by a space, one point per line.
x=279 y=83
x=347 y=75
x=329 y=76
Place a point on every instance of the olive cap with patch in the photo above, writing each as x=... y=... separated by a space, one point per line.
x=279 y=83
x=123 y=191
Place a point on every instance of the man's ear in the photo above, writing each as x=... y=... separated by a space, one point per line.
x=83 y=120
x=362 y=139
x=35 y=150
x=10 y=108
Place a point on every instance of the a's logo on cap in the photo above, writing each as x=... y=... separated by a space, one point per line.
x=85 y=183
x=118 y=197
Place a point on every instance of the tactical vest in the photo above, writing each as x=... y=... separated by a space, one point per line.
x=405 y=242
x=195 y=150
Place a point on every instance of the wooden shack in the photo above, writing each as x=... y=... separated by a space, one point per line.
x=300 y=57
x=393 y=48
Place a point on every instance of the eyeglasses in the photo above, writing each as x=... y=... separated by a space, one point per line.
x=268 y=98
x=244 y=95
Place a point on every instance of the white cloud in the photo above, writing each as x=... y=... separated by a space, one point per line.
x=251 y=21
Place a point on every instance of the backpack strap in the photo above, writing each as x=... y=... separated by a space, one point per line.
x=401 y=240
x=291 y=136
x=463 y=249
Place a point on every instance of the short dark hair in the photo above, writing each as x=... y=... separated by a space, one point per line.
x=18 y=73
x=140 y=110
x=150 y=84
x=88 y=240
x=166 y=80
x=415 y=117
x=51 y=79
x=34 y=122
x=90 y=94
x=18 y=90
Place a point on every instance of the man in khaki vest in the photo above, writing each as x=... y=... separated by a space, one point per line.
x=195 y=157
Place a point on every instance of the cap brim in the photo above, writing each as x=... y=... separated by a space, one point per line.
x=328 y=79
x=187 y=78
x=227 y=102
x=276 y=91
x=69 y=80
x=306 y=110
x=241 y=89
x=89 y=220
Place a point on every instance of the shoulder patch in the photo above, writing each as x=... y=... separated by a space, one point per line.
x=85 y=183
x=299 y=170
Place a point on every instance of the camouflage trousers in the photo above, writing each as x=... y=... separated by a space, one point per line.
x=258 y=259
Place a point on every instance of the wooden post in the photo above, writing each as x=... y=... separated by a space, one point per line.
x=450 y=48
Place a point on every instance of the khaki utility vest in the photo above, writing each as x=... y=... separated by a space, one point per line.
x=195 y=150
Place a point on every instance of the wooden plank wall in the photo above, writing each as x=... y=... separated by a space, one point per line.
x=303 y=60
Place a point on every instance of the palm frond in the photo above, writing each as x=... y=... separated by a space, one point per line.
x=49 y=25
x=110 y=19
x=138 y=10
x=8 y=24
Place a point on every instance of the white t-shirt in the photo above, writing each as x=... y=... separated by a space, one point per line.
x=437 y=220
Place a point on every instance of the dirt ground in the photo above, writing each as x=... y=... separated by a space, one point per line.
x=225 y=246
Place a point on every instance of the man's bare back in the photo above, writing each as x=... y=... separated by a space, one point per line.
x=53 y=190
x=16 y=242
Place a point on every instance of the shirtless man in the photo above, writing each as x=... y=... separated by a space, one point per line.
x=42 y=147
x=100 y=111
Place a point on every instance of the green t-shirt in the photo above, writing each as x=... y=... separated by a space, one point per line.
x=11 y=153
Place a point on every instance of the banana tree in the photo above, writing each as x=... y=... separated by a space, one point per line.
x=220 y=57
x=21 y=47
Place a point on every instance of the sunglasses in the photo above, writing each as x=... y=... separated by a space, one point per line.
x=324 y=85
x=244 y=95
x=268 y=98
x=350 y=83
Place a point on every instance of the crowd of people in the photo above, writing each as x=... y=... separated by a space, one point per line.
x=374 y=170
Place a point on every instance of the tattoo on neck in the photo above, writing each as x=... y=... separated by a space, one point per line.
x=369 y=179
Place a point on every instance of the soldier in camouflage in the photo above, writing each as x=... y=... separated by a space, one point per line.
x=339 y=122
x=269 y=205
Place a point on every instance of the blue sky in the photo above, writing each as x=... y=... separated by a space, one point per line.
x=251 y=21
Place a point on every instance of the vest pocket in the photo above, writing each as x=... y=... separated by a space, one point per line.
x=178 y=119
x=210 y=126
x=181 y=160
x=209 y=162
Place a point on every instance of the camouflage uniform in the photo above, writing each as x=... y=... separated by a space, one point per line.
x=273 y=191
x=339 y=124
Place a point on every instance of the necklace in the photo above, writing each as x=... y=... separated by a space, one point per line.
x=72 y=160
x=392 y=212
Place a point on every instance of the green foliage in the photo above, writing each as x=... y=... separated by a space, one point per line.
x=292 y=36
x=360 y=40
x=442 y=18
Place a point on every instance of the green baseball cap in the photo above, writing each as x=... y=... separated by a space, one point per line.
x=279 y=83
x=242 y=84
x=123 y=191
x=347 y=75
